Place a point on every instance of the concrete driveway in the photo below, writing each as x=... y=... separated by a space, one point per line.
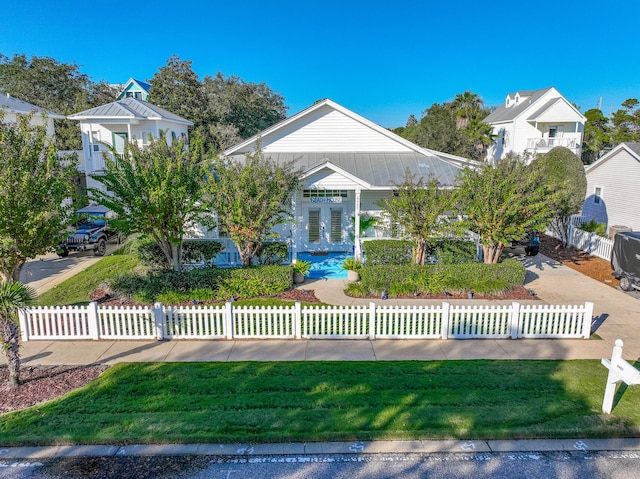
x=45 y=272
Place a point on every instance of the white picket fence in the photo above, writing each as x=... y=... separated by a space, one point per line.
x=589 y=242
x=296 y=322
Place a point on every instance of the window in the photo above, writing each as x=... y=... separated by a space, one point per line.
x=597 y=195
x=335 y=235
x=314 y=226
x=95 y=140
x=147 y=136
x=324 y=194
x=138 y=95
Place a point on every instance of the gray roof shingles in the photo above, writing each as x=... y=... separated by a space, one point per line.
x=502 y=113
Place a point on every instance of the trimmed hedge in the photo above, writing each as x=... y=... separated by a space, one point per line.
x=202 y=284
x=432 y=279
x=197 y=251
x=400 y=252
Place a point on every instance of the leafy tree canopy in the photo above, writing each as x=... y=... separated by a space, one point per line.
x=503 y=203
x=156 y=191
x=250 y=197
x=35 y=188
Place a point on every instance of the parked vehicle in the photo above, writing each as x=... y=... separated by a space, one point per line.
x=90 y=232
x=529 y=245
x=625 y=259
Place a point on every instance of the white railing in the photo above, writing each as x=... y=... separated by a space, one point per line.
x=544 y=143
x=297 y=322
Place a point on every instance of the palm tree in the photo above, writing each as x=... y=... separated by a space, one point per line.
x=466 y=105
x=13 y=296
x=481 y=137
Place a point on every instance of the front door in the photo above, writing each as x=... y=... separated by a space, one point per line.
x=324 y=228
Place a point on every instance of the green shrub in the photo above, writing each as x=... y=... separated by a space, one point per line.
x=352 y=264
x=256 y=281
x=273 y=252
x=388 y=252
x=592 y=226
x=433 y=279
x=200 y=251
x=357 y=289
x=453 y=251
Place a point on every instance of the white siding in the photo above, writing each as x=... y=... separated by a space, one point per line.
x=326 y=130
x=328 y=179
x=619 y=178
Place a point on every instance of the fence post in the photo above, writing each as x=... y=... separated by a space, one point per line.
x=159 y=322
x=372 y=320
x=592 y=242
x=514 y=321
x=228 y=320
x=23 y=323
x=586 y=320
x=297 y=320
x=446 y=318
x=93 y=320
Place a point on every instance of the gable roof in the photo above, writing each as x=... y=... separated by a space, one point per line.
x=378 y=168
x=15 y=105
x=632 y=148
x=144 y=86
x=502 y=113
x=128 y=109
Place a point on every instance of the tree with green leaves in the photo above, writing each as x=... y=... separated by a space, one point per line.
x=563 y=173
x=466 y=105
x=596 y=136
x=480 y=137
x=36 y=187
x=156 y=191
x=177 y=88
x=250 y=196
x=55 y=86
x=13 y=296
x=420 y=207
x=503 y=203
x=626 y=122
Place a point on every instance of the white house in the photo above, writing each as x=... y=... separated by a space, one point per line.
x=13 y=107
x=535 y=121
x=134 y=89
x=613 y=188
x=114 y=123
x=348 y=163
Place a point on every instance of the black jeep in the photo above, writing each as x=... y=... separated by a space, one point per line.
x=91 y=231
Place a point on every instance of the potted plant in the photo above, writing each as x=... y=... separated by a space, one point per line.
x=352 y=266
x=300 y=270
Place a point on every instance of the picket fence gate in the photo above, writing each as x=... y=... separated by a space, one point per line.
x=296 y=322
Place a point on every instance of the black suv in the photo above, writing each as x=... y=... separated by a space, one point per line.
x=91 y=231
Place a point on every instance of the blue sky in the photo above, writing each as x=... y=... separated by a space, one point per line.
x=383 y=60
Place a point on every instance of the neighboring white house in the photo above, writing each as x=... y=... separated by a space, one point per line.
x=13 y=107
x=114 y=123
x=535 y=121
x=613 y=188
x=134 y=89
x=348 y=163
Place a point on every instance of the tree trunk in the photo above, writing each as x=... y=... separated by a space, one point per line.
x=418 y=256
x=11 y=345
x=17 y=269
x=492 y=252
x=176 y=259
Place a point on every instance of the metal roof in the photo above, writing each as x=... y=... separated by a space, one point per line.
x=18 y=106
x=633 y=146
x=502 y=113
x=378 y=169
x=129 y=108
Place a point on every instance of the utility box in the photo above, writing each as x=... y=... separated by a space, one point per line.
x=615 y=229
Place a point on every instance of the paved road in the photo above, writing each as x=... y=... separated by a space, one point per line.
x=576 y=465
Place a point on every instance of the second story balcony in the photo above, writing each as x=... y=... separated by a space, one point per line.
x=568 y=141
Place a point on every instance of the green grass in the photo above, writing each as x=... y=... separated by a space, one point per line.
x=76 y=290
x=329 y=401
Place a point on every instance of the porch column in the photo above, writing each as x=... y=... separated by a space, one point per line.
x=357 y=252
x=294 y=230
x=129 y=138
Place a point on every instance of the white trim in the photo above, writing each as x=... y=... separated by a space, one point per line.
x=336 y=169
x=611 y=154
x=598 y=198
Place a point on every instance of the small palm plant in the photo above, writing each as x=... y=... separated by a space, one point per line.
x=13 y=296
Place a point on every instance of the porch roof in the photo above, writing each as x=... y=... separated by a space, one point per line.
x=381 y=170
x=128 y=109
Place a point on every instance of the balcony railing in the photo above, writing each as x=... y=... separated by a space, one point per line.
x=548 y=143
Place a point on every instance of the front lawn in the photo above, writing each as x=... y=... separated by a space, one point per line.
x=253 y=402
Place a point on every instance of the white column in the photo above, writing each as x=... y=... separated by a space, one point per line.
x=357 y=252
x=294 y=230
